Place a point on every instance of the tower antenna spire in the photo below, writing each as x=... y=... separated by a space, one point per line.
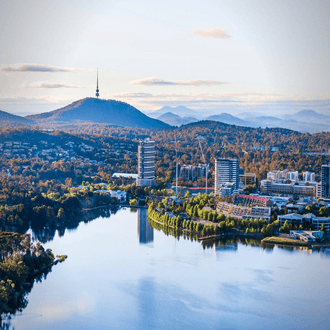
x=97 y=94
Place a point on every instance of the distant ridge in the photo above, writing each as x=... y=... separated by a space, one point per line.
x=228 y=119
x=7 y=119
x=100 y=111
x=181 y=111
x=175 y=120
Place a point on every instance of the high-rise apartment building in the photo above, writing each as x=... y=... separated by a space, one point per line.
x=292 y=176
x=325 y=180
x=146 y=163
x=309 y=176
x=226 y=176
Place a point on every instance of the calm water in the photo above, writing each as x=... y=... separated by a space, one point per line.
x=122 y=274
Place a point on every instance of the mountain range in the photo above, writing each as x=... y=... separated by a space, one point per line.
x=92 y=110
x=303 y=121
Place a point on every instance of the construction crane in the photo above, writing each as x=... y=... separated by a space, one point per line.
x=176 y=172
x=206 y=165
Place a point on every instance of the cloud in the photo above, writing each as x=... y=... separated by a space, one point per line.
x=21 y=100
x=160 y=82
x=6 y=55
x=211 y=32
x=37 y=68
x=133 y=95
x=52 y=85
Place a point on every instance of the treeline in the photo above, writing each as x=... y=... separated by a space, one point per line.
x=51 y=210
x=223 y=224
x=21 y=263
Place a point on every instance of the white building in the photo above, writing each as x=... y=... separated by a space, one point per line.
x=308 y=176
x=306 y=235
x=226 y=174
x=146 y=163
x=298 y=218
x=292 y=176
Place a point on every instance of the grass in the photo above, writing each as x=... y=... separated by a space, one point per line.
x=286 y=241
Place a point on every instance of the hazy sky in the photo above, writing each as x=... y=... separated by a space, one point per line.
x=226 y=55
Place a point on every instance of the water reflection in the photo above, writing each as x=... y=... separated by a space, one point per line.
x=176 y=284
x=145 y=231
x=45 y=232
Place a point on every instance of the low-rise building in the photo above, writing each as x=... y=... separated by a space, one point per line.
x=306 y=235
x=244 y=212
x=249 y=200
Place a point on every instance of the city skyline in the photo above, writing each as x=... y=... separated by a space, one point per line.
x=222 y=56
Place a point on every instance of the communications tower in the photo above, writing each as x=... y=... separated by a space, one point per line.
x=97 y=94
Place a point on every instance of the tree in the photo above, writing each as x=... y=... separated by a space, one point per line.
x=61 y=214
x=133 y=202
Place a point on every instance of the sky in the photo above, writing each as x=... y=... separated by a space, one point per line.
x=215 y=56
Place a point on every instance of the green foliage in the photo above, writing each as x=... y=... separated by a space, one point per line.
x=21 y=262
x=133 y=202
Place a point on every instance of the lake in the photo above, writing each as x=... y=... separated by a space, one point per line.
x=123 y=274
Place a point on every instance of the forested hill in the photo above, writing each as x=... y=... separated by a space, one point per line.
x=7 y=119
x=99 y=111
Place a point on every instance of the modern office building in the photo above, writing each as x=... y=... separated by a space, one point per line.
x=226 y=174
x=146 y=163
x=325 y=181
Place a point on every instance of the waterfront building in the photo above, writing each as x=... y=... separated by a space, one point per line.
x=146 y=163
x=291 y=218
x=325 y=181
x=306 y=235
x=244 y=212
x=318 y=222
x=226 y=176
x=311 y=218
x=249 y=200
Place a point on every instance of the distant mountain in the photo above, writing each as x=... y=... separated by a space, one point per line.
x=244 y=115
x=175 y=120
x=308 y=116
x=7 y=119
x=228 y=119
x=180 y=111
x=304 y=127
x=168 y=115
x=99 y=111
